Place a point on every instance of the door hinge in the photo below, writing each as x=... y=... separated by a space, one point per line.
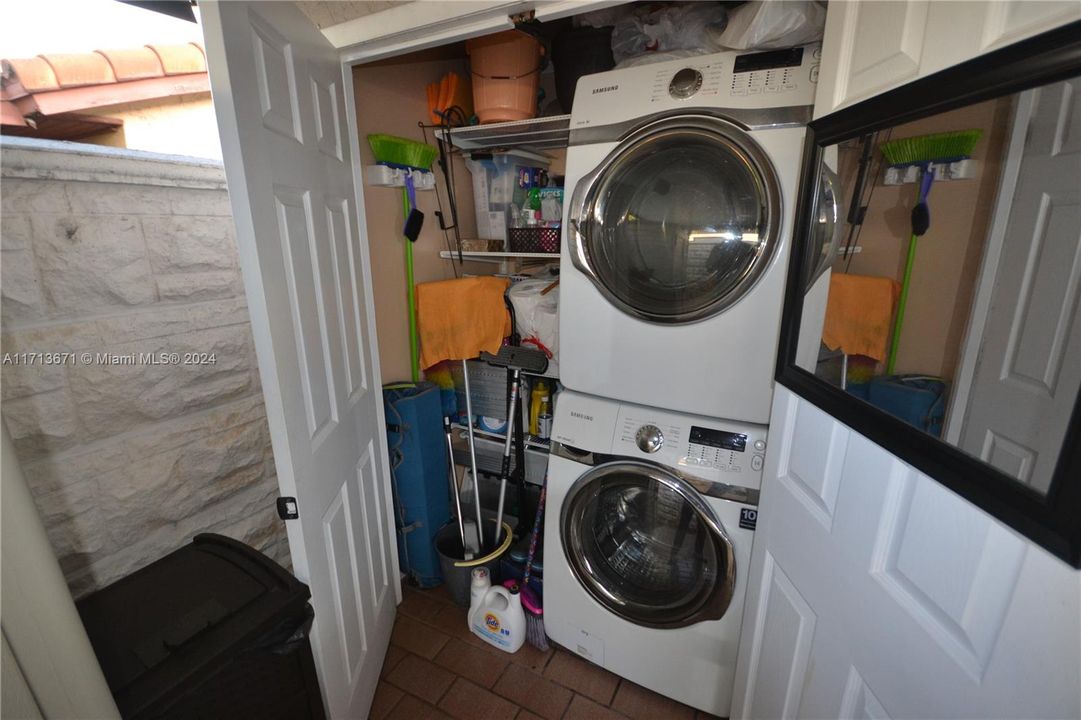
x=287 y=508
x=523 y=17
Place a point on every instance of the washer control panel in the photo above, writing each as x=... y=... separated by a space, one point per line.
x=649 y=438
x=713 y=449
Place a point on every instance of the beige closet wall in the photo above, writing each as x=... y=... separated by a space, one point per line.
x=390 y=98
x=947 y=257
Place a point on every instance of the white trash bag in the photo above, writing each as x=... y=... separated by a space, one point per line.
x=772 y=24
x=536 y=315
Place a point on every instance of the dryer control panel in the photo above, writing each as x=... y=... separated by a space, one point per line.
x=725 y=80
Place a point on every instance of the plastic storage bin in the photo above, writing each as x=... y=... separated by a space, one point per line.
x=213 y=630
x=496 y=188
x=506 y=74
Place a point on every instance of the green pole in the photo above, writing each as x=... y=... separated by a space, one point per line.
x=895 y=340
x=414 y=356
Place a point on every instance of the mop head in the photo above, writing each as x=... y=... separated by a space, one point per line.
x=402 y=152
x=939 y=148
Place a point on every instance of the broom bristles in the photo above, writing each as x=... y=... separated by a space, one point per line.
x=534 y=631
x=402 y=151
x=938 y=148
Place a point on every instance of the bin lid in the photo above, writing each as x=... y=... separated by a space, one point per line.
x=167 y=627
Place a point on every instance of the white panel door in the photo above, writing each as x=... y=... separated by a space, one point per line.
x=871 y=46
x=868 y=48
x=875 y=592
x=1027 y=371
x=279 y=95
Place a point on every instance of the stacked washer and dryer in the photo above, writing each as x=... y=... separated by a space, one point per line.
x=681 y=181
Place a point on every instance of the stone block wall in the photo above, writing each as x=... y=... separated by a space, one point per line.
x=117 y=257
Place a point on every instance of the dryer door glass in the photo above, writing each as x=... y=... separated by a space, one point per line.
x=679 y=224
x=646 y=546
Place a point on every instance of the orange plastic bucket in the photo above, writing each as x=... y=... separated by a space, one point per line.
x=506 y=74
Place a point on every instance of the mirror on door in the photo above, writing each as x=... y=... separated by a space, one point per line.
x=942 y=280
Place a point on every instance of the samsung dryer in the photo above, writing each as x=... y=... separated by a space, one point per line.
x=681 y=182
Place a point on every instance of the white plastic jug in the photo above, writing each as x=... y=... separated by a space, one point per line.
x=497 y=618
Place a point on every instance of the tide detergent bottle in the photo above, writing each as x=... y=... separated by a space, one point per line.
x=495 y=613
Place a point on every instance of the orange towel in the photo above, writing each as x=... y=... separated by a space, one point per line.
x=456 y=319
x=858 y=314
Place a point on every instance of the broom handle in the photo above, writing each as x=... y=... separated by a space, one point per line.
x=410 y=299
x=899 y=320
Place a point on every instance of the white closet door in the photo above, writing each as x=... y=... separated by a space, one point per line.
x=278 y=89
x=875 y=592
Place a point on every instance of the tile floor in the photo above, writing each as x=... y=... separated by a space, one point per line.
x=437 y=669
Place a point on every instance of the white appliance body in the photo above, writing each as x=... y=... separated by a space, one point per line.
x=629 y=330
x=671 y=651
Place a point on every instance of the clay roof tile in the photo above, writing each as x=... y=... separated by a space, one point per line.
x=133 y=63
x=34 y=74
x=180 y=59
x=76 y=70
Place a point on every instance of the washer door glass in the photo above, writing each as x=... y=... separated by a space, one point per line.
x=645 y=545
x=680 y=221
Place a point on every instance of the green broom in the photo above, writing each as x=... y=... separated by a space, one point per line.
x=398 y=152
x=924 y=151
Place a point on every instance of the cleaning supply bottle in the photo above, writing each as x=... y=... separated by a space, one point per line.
x=481 y=581
x=497 y=618
x=539 y=404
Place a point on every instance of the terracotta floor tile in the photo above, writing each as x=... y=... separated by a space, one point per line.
x=533 y=692
x=531 y=658
x=417 y=638
x=386 y=697
x=451 y=620
x=422 y=678
x=526 y=715
x=467 y=701
x=419 y=604
x=585 y=709
x=638 y=703
x=442 y=594
x=481 y=665
x=410 y=708
x=393 y=657
x=582 y=676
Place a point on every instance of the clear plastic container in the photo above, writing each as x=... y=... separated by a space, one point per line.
x=496 y=190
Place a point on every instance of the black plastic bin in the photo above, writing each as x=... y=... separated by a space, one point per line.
x=213 y=630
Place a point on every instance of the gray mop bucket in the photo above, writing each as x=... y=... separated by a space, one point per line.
x=458 y=573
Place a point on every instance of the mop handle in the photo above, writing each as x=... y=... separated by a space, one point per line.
x=535 y=533
x=454 y=481
x=515 y=381
x=473 y=452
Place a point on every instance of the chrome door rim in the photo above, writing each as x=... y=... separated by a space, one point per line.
x=716 y=601
x=734 y=139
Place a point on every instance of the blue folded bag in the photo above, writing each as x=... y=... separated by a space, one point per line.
x=919 y=400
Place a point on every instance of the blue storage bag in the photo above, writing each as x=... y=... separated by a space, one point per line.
x=418 y=462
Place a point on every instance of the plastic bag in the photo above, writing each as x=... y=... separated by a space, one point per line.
x=536 y=315
x=768 y=24
x=648 y=29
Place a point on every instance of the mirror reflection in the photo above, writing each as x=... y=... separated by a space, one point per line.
x=943 y=277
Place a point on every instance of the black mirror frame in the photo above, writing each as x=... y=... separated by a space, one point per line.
x=1052 y=520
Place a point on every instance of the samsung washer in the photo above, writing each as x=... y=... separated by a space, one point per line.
x=680 y=190
x=648 y=536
